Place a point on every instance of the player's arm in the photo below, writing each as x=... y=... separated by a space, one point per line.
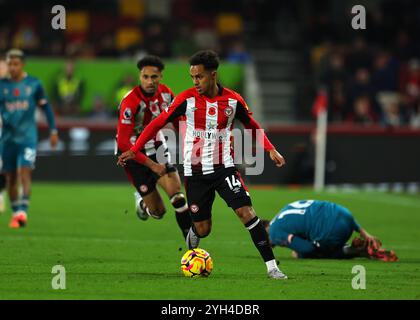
x=177 y=109
x=126 y=124
x=245 y=117
x=303 y=247
x=125 y=127
x=49 y=114
x=370 y=239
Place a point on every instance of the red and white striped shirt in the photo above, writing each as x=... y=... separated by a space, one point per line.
x=207 y=143
x=136 y=111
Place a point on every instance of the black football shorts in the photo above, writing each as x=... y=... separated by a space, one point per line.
x=142 y=178
x=201 y=191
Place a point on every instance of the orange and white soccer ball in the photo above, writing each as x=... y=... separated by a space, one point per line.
x=196 y=263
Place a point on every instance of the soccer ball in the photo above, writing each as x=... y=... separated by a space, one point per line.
x=196 y=263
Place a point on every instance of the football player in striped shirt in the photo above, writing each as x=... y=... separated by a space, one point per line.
x=139 y=106
x=209 y=110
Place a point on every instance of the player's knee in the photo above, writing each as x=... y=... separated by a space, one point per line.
x=179 y=202
x=245 y=213
x=157 y=211
x=11 y=180
x=161 y=211
x=203 y=230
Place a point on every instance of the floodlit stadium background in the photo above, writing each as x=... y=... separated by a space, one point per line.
x=280 y=55
x=286 y=58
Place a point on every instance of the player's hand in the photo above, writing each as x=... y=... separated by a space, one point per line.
x=277 y=158
x=159 y=169
x=373 y=242
x=53 y=140
x=124 y=157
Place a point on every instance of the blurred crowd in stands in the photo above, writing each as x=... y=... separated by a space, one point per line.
x=369 y=85
x=120 y=28
x=371 y=76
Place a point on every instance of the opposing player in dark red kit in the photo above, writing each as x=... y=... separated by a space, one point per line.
x=210 y=110
x=136 y=110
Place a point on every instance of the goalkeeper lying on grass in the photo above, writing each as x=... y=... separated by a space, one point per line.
x=321 y=229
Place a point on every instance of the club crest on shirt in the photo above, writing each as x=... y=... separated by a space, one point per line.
x=164 y=106
x=28 y=90
x=166 y=97
x=228 y=111
x=169 y=106
x=194 y=208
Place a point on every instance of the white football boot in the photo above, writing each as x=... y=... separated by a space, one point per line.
x=276 y=274
x=141 y=213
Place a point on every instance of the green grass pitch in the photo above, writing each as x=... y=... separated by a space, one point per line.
x=108 y=253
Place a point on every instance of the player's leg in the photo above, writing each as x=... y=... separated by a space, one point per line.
x=139 y=205
x=334 y=246
x=19 y=217
x=10 y=159
x=133 y=171
x=340 y=235
x=25 y=174
x=171 y=183
x=153 y=204
x=2 y=181
x=26 y=157
x=200 y=195
x=233 y=190
x=13 y=190
x=2 y=188
x=198 y=230
x=148 y=198
x=260 y=238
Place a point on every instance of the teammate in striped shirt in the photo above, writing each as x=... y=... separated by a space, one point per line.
x=140 y=105
x=210 y=110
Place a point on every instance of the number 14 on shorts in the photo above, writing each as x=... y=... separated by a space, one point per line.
x=233 y=183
